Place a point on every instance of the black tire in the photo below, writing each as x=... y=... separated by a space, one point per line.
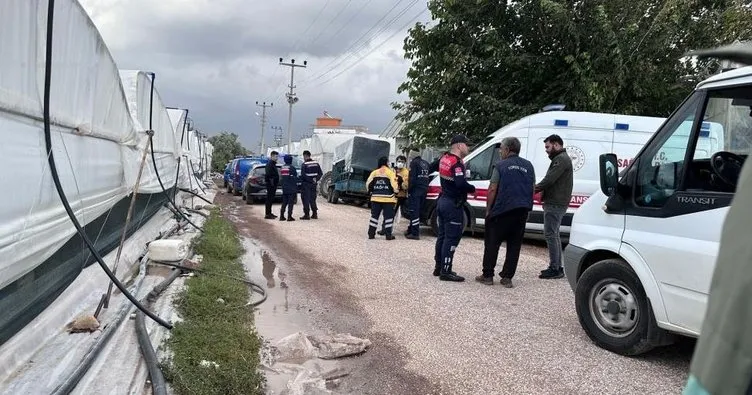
x=329 y=195
x=235 y=192
x=433 y=220
x=248 y=198
x=324 y=186
x=229 y=188
x=335 y=196
x=610 y=280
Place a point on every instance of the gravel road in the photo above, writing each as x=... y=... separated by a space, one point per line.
x=452 y=338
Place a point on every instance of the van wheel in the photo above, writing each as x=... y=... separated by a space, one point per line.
x=248 y=198
x=229 y=188
x=335 y=195
x=613 y=309
x=235 y=192
x=433 y=220
x=324 y=187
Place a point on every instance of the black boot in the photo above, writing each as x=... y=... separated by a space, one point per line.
x=390 y=237
x=315 y=215
x=290 y=218
x=282 y=217
x=305 y=217
x=448 y=275
x=451 y=276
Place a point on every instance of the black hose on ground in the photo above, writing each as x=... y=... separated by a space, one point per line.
x=197 y=195
x=197 y=179
x=75 y=377
x=254 y=286
x=56 y=176
x=156 y=170
x=158 y=384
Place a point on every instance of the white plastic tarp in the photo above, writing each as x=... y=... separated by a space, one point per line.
x=177 y=118
x=138 y=93
x=305 y=145
x=91 y=126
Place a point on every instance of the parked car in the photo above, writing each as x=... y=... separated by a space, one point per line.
x=254 y=186
x=241 y=167
x=228 y=173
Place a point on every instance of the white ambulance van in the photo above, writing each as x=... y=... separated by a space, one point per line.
x=586 y=135
x=642 y=249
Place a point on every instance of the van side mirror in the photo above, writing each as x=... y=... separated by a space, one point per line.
x=609 y=172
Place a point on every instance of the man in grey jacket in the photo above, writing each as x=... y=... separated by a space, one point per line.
x=556 y=192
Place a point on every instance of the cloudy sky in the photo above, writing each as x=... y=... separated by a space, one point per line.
x=218 y=57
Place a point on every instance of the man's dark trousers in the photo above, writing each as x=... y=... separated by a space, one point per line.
x=271 y=193
x=376 y=210
x=415 y=204
x=308 y=194
x=509 y=227
x=288 y=200
x=450 y=221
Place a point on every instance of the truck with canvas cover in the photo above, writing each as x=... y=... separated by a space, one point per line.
x=353 y=162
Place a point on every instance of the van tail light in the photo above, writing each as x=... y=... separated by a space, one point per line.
x=433 y=191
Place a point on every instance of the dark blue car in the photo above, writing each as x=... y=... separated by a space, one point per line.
x=239 y=171
x=228 y=173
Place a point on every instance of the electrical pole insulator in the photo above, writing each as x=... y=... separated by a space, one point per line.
x=291 y=98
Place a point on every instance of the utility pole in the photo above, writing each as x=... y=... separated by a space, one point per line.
x=263 y=121
x=278 y=135
x=291 y=98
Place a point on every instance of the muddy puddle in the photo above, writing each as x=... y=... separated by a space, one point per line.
x=282 y=314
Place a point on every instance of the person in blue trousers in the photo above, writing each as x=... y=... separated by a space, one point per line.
x=417 y=188
x=310 y=175
x=289 y=180
x=450 y=206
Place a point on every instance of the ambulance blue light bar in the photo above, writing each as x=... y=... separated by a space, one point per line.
x=561 y=122
x=621 y=126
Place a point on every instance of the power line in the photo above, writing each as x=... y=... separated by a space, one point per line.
x=374 y=48
x=295 y=45
x=355 y=49
x=330 y=22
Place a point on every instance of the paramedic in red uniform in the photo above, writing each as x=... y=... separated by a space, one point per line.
x=450 y=207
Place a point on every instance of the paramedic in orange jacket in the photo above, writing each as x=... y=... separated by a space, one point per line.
x=382 y=185
x=403 y=174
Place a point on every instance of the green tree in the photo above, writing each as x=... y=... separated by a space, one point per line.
x=485 y=63
x=226 y=147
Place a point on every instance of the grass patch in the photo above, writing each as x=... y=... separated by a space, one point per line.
x=218 y=332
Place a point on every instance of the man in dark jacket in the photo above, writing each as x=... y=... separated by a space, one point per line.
x=417 y=188
x=310 y=173
x=289 y=180
x=556 y=188
x=450 y=207
x=271 y=178
x=510 y=199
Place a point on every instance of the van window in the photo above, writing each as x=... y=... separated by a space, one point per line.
x=661 y=163
x=480 y=165
x=718 y=153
